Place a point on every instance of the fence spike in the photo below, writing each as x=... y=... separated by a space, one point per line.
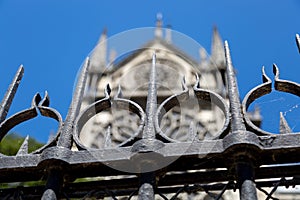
x=10 y=93
x=108 y=142
x=24 y=147
x=237 y=123
x=193 y=136
x=151 y=101
x=284 y=126
x=65 y=139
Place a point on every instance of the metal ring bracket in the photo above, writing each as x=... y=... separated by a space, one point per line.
x=104 y=104
x=37 y=104
x=266 y=88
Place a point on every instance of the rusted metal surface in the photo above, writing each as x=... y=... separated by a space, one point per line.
x=150 y=164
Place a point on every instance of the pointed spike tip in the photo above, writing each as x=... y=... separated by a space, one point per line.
x=183 y=83
x=21 y=69
x=275 y=71
x=119 y=92
x=227 y=54
x=226 y=44
x=193 y=136
x=298 y=42
x=23 y=150
x=183 y=79
x=154 y=58
x=46 y=100
x=107 y=90
x=197 y=84
x=20 y=72
x=265 y=78
x=283 y=125
x=36 y=100
x=87 y=62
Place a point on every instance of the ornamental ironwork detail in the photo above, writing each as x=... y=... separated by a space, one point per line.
x=150 y=164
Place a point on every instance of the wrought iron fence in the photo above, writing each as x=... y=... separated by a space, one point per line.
x=242 y=156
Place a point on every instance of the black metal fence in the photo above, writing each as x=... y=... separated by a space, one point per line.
x=242 y=156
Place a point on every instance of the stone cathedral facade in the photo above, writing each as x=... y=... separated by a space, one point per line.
x=130 y=73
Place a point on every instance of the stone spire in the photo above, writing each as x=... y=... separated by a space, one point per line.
x=169 y=34
x=217 y=49
x=203 y=58
x=97 y=65
x=112 y=56
x=158 y=30
x=98 y=57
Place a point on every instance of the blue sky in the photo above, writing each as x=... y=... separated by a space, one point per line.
x=52 y=38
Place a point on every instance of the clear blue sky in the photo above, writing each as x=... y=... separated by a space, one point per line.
x=51 y=38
